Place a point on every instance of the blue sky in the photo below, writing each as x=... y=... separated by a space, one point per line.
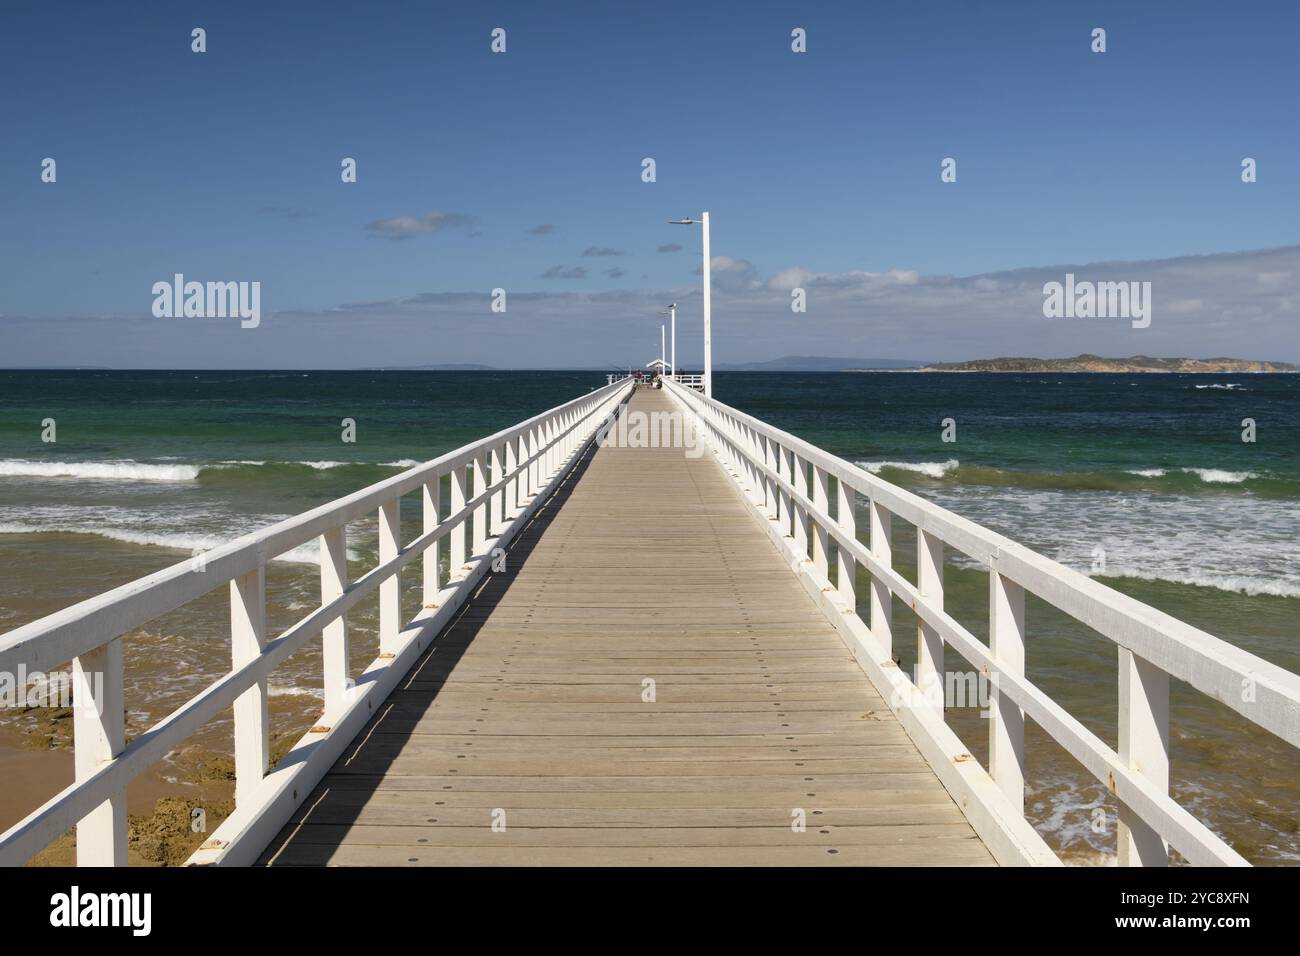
x=225 y=165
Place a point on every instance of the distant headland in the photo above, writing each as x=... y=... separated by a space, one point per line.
x=1095 y=363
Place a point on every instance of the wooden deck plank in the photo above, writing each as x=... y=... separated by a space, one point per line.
x=919 y=853
x=419 y=806
x=374 y=813
x=775 y=832
x=644 y=566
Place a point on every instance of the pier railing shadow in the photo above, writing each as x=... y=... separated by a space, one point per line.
x=339 y=800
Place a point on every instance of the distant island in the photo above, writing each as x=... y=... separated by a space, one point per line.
x=1095 y=363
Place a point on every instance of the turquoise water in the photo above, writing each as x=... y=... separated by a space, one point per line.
x=1140 y=480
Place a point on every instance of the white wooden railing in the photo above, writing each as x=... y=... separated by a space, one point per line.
x=788 y=484
x=690 y=380
x=495 y=486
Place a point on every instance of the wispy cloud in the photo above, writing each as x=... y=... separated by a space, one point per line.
x=615 y=273
x=559 y=272
x=729 y=273
x=669 y=247
x=1232 y=304
x=404 y=227
x=599 y=251
x=545 y=229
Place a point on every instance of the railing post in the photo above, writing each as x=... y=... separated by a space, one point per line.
x=521 y=471
x=333 y=581
x=769 y=483
x=1144 y=747
x=882 y=603
x=800 y=474
x=390 y=589
x=98 y=735
x=847 y=569
x=1006 y=719
x=782 y=496
x=496 y=513
x=726 y=431
x=457 y=550
x=431 y=559
x=745 y=446
x=534 y=465
x=821 y=515
x=514 y=490
x=481 y=509
x=247 y=641
x=929 y=645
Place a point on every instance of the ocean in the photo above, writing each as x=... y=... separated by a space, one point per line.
x=1142 y=481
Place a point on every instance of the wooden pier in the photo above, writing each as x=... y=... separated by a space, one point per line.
x=646 y=683
x=635 y=652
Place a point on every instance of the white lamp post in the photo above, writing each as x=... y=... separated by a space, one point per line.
x=708 y=297
x=672 y=361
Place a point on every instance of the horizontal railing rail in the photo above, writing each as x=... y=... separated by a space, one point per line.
x=495 y=486
x=788 y=483
x=693 y=379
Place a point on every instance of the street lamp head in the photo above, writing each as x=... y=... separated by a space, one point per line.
x=683 y=222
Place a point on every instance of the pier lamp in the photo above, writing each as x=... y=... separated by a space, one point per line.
x=672 y=362
x=708 y=328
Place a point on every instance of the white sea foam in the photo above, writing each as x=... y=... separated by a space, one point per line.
x=1217 y=476
x=122 y=470
x=1242 y=584
x=1063 y=808
x=180 y=541
x=323 y=465
x=1229 y=385
x=1246 y=545
x=932 y=469
x=1212 y=476
x=127 y=469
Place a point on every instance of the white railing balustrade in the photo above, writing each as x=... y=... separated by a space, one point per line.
x=496 y=485
x=785 y=480
x=694 y=381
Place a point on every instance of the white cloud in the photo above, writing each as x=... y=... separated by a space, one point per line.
x=404 y=227
x=1203 y=306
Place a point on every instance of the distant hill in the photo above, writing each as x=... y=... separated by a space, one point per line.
x=1094 y=363
x=817 y=363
